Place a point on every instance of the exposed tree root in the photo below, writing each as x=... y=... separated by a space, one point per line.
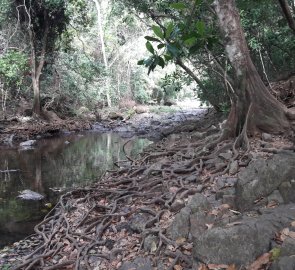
x=85 y=227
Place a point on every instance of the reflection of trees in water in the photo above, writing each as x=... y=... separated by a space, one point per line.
x=54 y=164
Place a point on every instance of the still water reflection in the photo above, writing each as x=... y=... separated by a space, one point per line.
x=56 y=163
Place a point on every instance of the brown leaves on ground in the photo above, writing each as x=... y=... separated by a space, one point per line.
x=261 y=262
x=217 y=267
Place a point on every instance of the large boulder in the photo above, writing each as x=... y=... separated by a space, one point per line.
x=262 y=177
x=243 y=243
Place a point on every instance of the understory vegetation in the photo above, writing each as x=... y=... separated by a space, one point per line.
x=63 y=55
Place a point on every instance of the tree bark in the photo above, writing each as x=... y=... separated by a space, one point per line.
x=36 y=68
x=253 y=107
x=288 y=14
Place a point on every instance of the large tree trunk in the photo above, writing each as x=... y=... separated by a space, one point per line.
x=253 y=107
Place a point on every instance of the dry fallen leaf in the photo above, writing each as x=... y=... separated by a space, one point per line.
x=293 y=224
x=262 y=260
x=224 y=206
x=180 y=240
x=178 y=267
x=232 y=267
x=203 y=267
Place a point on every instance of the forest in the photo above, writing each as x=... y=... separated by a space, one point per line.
x=87 y=84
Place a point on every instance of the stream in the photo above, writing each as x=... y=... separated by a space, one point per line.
x=53 y=166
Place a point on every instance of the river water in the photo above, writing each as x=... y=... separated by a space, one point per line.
x=53 y=166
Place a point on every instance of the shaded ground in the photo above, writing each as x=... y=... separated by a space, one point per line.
x=153 y=211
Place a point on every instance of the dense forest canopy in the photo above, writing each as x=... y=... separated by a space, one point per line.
x=63 y=55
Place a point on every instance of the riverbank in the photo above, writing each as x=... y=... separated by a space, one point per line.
x=185 y=203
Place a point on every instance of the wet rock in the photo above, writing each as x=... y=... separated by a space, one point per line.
x=234 y=167
x=30 y=195
x=138 y=264
x=243 y=243
x=28 y=143
x=262 y=177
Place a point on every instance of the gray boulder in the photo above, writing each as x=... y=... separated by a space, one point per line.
x=243 y=243
x=180 y=226
x=262 y=177
x=30 y=195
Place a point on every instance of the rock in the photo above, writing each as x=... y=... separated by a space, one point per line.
x=180 y=225
x=275 y=197
x=230 y=200
x=284 y=263
x=198 y=203
x=177 y=205
x=28 y=143
x=115 y=116
x=30 y=195
x=138 y=222
x=266 y=137
x=234 y=167
x=138 y=264
x=288 y=247
x=287 y=190
x=150 y=243
x=262 y=177
x=243 y=243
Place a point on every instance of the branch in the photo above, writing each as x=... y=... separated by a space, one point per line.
x=287 y=13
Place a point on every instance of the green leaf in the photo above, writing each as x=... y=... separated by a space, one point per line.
x=168 y=57
x=140 y=62
x=161 y=62
x=179 y=5
x=150 y=47
x=190 y=41
x=169 y=30
x=172 y=50
x=160 y=46
x=152 y=39
x=200 y=25
x=158 y=31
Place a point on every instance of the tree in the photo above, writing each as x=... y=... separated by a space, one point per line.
x=253 y=108
x=43 y=21
x=288 y=14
